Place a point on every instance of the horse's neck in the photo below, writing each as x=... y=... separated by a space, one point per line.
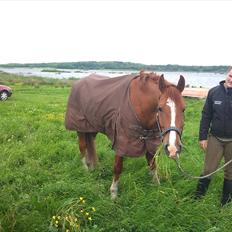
x=145 y=102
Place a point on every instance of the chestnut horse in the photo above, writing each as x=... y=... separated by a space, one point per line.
x=136 y=112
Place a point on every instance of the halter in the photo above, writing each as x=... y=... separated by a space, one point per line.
x=167 y=130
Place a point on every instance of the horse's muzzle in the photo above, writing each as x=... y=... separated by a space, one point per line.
x=172 y=151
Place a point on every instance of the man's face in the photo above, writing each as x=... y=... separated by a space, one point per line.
x=228 y=79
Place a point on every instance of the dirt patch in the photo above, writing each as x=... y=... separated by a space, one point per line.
x=195 y=92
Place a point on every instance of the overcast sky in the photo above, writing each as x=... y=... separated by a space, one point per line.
x=149 y=32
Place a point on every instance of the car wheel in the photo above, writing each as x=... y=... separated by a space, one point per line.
x=3 y=96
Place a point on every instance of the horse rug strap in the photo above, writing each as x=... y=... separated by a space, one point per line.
x=102 y=104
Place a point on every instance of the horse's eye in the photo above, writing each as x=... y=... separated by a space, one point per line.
x=160 y=109
x=183 y=110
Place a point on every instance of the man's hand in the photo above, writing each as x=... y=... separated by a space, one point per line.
x=203 y=144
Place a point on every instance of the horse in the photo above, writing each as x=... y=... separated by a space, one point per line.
x=137 y=112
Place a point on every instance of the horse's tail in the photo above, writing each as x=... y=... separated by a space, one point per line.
x=91 y=156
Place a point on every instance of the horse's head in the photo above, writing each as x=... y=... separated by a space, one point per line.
x=171 y=115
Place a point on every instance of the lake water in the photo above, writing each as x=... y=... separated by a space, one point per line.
x=193 y=79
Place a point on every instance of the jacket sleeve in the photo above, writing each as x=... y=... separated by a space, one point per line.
x=206 y=118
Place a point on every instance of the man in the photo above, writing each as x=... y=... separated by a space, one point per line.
x=215 y=136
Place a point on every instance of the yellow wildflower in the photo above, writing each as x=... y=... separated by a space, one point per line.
x=54 y=217
x=87 y=214
x=58 y=217
x=93 y=208
x=90 y=219
x=71 y=223
x=56 y=222
x=81 y=198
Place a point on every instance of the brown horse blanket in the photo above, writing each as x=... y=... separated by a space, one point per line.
x=102 y=104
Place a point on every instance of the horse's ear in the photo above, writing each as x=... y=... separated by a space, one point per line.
x=181 y=84
x=162 y=85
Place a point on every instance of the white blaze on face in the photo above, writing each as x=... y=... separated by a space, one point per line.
x=172 y=135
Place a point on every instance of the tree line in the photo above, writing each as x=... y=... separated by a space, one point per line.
x=118 y=65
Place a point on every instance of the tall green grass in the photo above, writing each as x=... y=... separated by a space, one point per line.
x=41 y=170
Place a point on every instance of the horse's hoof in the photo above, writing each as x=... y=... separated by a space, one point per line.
x=155 y=177
x=113 y=196
x=83 y=160
x=114 y=193
x=156 y=180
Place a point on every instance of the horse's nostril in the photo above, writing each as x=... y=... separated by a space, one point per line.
x=166 y=149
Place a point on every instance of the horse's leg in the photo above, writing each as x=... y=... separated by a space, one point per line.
x=87 y=142
x=82 y=147
x=152 y=167
x=91 y=156
x=118 y=164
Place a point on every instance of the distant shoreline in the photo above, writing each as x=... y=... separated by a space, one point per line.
x=117 y=65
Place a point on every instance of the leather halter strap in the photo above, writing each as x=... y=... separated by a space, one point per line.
x=172 y=128
x=167 y=130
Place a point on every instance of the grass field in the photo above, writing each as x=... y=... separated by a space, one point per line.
x=42 y=180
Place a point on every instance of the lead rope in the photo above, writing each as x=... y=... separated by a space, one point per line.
x=197 y=177
x=186 y=174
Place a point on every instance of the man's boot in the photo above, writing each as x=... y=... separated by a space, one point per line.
x=227 y=192
x=202 y=187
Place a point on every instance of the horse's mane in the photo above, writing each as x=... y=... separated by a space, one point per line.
x=170 y=91
x=145 y=76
